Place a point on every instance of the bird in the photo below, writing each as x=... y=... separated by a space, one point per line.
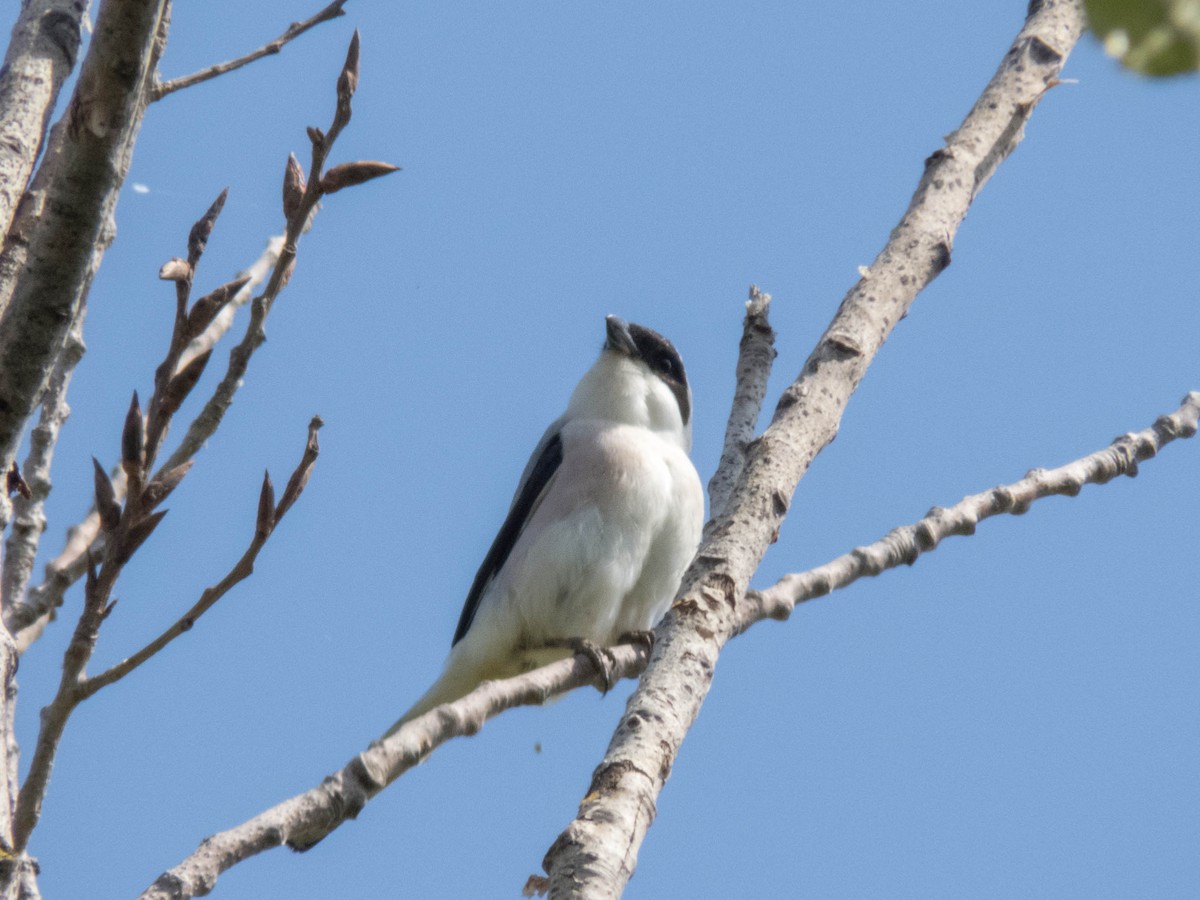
x=605 y=519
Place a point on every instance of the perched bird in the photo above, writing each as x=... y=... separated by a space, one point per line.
x=604 y=521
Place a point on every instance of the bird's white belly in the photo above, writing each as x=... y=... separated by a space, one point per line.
x=598 y=564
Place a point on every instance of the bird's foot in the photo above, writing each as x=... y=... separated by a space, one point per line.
x=598 y=656
x=643 y=639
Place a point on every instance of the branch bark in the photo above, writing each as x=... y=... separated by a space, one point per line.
x=41 y=54
x=302 y=821
x=755 y=357
x=597 y=853
x=26 y=619
x=332 y=11
x=59 y=234
x=904 y=545
x=29 y=517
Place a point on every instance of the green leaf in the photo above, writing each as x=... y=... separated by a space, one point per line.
x=1154 y=37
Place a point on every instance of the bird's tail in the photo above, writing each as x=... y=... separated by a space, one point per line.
x=456 y=681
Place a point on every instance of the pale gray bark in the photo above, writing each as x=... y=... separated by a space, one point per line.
x=29 y=517
x=41 y=54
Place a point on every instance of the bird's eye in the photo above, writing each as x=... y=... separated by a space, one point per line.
x=665 y=364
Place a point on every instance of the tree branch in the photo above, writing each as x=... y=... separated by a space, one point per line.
x=60 y=229
x=332 y=11
x=41 y=54
x=597 y=853
x=26 y=618
x=241 y=570
x=755 y=357
x=904 y=545
x=132 y=526
x=303 y=820
x=29 y=517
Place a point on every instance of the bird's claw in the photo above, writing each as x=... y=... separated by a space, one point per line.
x=644 y=639
x=599 y=657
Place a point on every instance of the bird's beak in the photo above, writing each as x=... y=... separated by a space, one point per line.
x=619 y=339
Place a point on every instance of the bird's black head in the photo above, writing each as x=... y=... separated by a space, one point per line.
x=659 y=355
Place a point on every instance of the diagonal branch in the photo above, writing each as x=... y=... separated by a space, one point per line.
x=61 y=224
x=303 y=820
x=597 y=853
x=241 y=570
x=130 y=527
x=903 y=546
x=41 y=54
x=26 y=619
x=332 y=11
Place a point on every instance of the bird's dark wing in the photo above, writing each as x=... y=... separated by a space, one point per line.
x=542 y=466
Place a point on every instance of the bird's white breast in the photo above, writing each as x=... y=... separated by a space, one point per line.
x=604 y=551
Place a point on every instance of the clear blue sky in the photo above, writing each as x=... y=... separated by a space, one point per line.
x=1014 y=716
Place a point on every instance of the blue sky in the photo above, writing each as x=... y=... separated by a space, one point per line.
x=1014 y=716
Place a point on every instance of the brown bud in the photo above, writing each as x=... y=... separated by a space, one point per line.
x=206 y=308
x=265 y=523
x=294 y=184
x=133 y=440
x=299 y=479
x=198 y=236
x=175 y=269
x=106 y=497
x=137 y=535
x=316 y=135
x=348 y=81
x=350 y=174
x=16 y=484
x=181 y=385
x=162 y=485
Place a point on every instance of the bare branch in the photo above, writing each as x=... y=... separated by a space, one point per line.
x=131 y=529
x=62 y=228
x=332 y=11
x=307 y=818
x=255 y=275
x=29 y=517
x=597 y=853
x=902 y=546
x=56 y=714
x=241 y=570
x=41 y=54
x=29 y=618
x=755 y=356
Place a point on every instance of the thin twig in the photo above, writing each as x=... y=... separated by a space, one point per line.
x=332 y=11
x=280 y=257
x=28 y=618
x=903 y=546
x=241 y=570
